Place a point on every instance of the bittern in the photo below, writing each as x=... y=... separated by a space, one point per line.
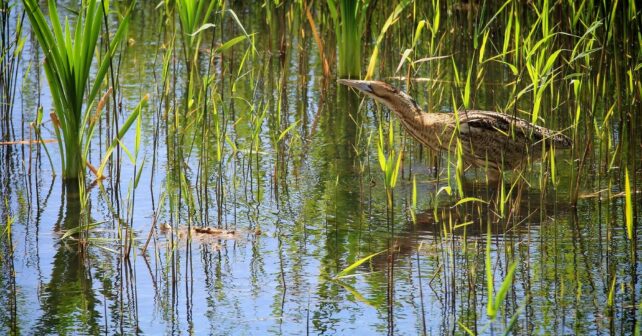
x=488 y=139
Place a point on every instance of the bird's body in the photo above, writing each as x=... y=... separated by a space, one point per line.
x=488 y=139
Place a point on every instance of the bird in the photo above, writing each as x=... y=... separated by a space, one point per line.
x=497 y=141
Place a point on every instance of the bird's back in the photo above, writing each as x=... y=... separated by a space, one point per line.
x=500 y=140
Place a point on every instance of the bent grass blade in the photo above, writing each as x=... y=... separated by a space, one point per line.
x=346 y=271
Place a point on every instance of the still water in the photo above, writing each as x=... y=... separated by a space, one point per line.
x=284 y=170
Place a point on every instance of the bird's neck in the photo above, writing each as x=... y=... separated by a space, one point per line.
x=406 y=109
x=427 y=128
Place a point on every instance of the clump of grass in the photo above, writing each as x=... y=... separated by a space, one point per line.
x=349 y=18
x=194 y=17
x=69 y=56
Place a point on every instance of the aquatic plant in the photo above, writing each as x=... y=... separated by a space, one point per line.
x=194 y=17
x=394 y=16
x=389 y=164
x=68 y=61
x=349 y=17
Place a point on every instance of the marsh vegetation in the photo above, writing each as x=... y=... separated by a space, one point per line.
x=188 y=166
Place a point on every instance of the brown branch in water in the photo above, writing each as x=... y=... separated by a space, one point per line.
x=576 y=191
x=100 y=106
x=94 y=170
x=317 y=38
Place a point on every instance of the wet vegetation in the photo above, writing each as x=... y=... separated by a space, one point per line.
x=193 y=167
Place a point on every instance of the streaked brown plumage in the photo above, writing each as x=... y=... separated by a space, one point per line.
x=488 y=139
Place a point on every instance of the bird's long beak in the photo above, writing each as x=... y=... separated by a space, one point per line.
x=360 y=85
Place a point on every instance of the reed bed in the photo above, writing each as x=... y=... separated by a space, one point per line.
x=241 y=181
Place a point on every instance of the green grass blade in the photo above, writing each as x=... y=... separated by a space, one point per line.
x=466 y=329
x=230 y=43
x=104 y=66
x=121 y=133
x=628 y=204
x=356 y=264
x=505 y=287
x=470 y=199
x=389 y=22
x=490 y=306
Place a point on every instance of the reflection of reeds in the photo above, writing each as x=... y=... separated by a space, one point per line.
x=68 y=61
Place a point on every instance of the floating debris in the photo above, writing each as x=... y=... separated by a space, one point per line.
x=207 y=234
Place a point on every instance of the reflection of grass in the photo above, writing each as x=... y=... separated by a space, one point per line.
x=6 y=231
x=68 y=61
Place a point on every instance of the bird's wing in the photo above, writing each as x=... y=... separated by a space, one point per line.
x=477 y=122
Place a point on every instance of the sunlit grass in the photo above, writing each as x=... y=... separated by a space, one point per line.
x=389 y=164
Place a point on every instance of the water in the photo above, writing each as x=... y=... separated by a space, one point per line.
x=298 y=205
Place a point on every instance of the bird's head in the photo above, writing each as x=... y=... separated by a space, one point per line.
x=383 y=92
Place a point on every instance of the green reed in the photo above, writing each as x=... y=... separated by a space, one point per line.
x=349 y=17
x=628 y=206
x=394 y=17
x=199 y=120
x=68 y=61
x=350 y=268
x=36 y=125
x=133 y=155
x=413 y=200
x=389 y=164
x=194 y=17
